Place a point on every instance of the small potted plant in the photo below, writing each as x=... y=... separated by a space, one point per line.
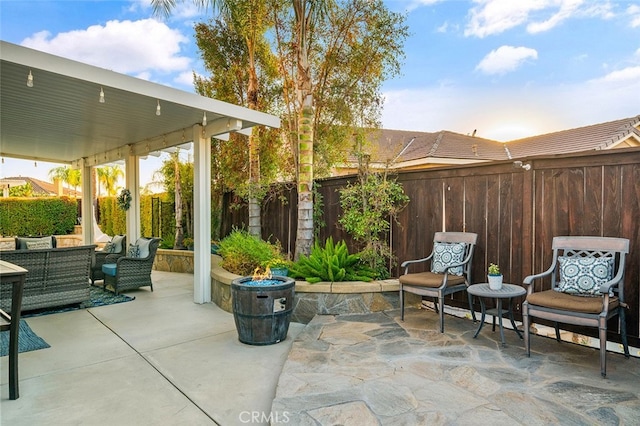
x=278 y=266
x=187 y=242
x=495 y=277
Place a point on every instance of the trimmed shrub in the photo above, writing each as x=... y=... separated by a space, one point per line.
x=37 y=216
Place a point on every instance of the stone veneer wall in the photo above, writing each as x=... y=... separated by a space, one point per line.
x=321 y=298
x=174 y=261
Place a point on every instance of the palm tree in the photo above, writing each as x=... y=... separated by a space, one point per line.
x=108 y=177
x=306 y=14
x=74 y=179
x=60 y=174
x=250 y=19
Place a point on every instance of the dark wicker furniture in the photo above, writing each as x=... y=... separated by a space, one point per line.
x=12 y=277
x=100 y=257
x=56 y=277
x=130 y=272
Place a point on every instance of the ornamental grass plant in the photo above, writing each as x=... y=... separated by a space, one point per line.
x=242 y=252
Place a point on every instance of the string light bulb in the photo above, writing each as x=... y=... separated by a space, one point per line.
x=204 y=119
x=158 y=108
x=101 y=96
x=30 y=79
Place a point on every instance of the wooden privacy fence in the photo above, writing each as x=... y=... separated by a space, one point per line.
x=515 y=212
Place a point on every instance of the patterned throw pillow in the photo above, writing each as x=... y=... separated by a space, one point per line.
x=21 y=242
x=446 y=254
x=584 y=275
x=117 y=240
x=34 y=245
x=143 y=245
x=109 y=248
x=134 y=251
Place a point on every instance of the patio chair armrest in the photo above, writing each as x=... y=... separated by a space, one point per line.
x=529 y=279
x=406 y=263
x=111 y=258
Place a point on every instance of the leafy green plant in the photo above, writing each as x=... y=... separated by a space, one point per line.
x=277 y=262
x=242 y=252
x=368 y=208
x=331 y=263
x=494 y=269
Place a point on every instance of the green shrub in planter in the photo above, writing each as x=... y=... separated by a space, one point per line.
x=242 y=252
x=331 y=263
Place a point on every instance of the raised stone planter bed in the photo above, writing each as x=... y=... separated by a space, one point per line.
x=174 y=261
x=321 y=298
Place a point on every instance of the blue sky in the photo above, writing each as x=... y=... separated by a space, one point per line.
x=508 y=68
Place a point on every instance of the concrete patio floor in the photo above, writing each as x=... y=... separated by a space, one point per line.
x=158 y=360
x=163 y=360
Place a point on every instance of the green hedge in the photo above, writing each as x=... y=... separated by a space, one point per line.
x=37 y=216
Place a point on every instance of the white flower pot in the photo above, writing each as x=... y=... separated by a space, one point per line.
x=495 y=282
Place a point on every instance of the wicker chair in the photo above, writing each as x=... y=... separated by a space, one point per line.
x=101 y=256
x=587 y=289
x=127 y=272
x=451 y=271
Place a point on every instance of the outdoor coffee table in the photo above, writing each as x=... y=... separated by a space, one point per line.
x=508 y=291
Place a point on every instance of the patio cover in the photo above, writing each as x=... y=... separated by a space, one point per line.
x=60 y=119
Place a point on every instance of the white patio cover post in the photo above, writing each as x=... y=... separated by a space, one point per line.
x=202 y=216
x=87 y=203
x=132 y=183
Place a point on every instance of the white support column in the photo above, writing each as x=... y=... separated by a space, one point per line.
x=132 y=174
x=87 y=204
x=202 y=216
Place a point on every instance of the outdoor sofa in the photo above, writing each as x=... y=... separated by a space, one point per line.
x=56 y=277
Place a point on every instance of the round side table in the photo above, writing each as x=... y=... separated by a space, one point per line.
x=508 y=291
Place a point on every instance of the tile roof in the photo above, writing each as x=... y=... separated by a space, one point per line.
x=392 y=146
x=42 y=188
x=403 y=147
x=595 y=137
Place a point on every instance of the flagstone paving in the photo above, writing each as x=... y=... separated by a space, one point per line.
x=374 y=369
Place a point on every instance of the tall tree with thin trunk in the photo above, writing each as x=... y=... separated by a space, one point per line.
x=334 y=56
x=248 y=17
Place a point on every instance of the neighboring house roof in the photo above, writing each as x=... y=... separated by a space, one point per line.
x=610 y=135
x=40 y=187
x=403 y=149
x=410 y=149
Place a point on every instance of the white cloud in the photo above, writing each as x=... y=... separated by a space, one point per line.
x=505 y=59
x=634 y=14
x=133 y=47
x=185 y=78
x=497 y=16
x=491 y=17
x=627 y=75
x=567 y=10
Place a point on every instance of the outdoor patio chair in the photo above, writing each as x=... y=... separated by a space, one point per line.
x=587 y=288
x=450 y=271
x=117 y=247
x=134 y=269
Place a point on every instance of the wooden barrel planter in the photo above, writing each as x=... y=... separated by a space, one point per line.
x=262 y=309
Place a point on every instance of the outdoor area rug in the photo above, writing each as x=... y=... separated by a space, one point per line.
x=27 y=340
x=99 y=297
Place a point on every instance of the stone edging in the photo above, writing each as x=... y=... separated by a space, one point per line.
x=320 y=298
